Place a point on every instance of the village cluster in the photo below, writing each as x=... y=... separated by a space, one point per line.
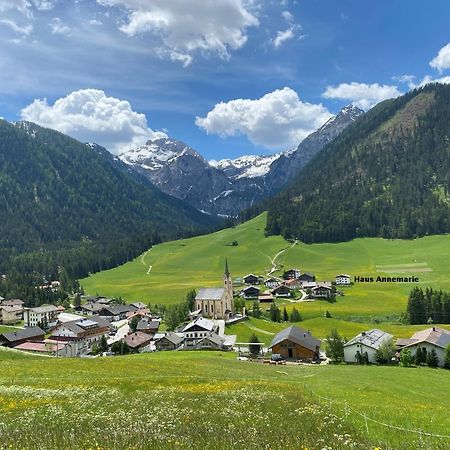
x=52 y=331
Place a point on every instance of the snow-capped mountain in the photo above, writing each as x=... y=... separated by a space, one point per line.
x=251 y=166
x=228 y=186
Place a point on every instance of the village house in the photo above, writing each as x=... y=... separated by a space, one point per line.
x=45 y=316
x=291 y=274
x=217 y=303
x=30 y=334
x=250 y=292
x=170 y=341
x=10 y=315
x=272 y=283
x=148 y=326
x=211 y=341
x=343 y=280
x=322 y=290
x=83 y=333
x=431 y=338
x=198 y=329
x=295 y=343
x=307 y=277
x=137 y=306
x=115 y=312
x=281 y=291
x=308 y=285
x=138 y=342
x=365 y=344
x=12 y=302
x=251 y=279
x=90 y=309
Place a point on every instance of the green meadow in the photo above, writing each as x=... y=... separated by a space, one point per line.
x=166 y=272
x=192 y=400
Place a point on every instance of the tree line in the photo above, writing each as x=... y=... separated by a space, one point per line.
x=427 y=307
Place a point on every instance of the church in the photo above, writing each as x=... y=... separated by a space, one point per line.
x=217 y=303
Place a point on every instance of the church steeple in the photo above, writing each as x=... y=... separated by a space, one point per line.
x=227 y=272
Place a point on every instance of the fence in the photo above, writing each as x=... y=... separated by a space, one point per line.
x=421 y=435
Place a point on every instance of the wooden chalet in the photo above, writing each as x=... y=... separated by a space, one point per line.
x=295 y=343
x=272 y=283
x=281 y=291
x=251 y=279
x=250 y=292
x=291 y=274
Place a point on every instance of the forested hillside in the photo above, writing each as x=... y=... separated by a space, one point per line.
x=68 y=205
x=386 y=175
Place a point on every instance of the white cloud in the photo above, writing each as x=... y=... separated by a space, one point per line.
x=283 y=36
x=44 y=5
x=57 y=27
x=278 y=120
x=289 y=17
x=361 y=94
x=406 y=79
x=90 y=116
x=207 y=26
x=429 y=79
x=25 y=30
x=19 y=5
x=442 y=60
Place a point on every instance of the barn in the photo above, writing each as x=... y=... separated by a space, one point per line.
x=296 y=343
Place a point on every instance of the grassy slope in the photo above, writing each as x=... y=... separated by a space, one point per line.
x=192 y=263
x=186 y=397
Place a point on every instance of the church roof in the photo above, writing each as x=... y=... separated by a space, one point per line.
x=210 y=294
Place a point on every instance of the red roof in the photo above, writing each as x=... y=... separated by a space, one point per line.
x=39 y=347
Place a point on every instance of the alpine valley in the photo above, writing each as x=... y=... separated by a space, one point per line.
x=229 y=186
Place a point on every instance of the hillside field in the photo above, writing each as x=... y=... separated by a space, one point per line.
x=188 y=400
x=165 y=273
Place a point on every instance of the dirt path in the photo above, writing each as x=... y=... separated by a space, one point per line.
x=145 y=264
x=273 y=260
x=259 y=330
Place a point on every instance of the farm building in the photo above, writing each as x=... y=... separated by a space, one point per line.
x=343 y=279
x=250 y=292
x=366 y=343
x=10 y=314
x=251 y=279
x=307 y=277
x=431 y=338
x=281 y=291
x=293 y=284
x=217 y=303
x=296 y=343
x=266 y=298
x=170 y=341
x=211 y=341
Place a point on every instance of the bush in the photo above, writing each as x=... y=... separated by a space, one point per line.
x=386 y=352
x=432 y=358
x=255 y=346
x=335 y=346
x=406 y=360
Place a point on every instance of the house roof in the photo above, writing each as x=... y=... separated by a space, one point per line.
x=14 y=301
x=147 y=325
x=343 y=275
x=115 y=310
x=251 y=287
x=269 y=280
x=200 y=322
x=251 y=275
x=433 y=335
x=11 y=308
x=298 y=336
x=210 y=294
x=44 y=309
x=172 y=337
x=80 y=325
x=137 y=339
x=93 y=307
x=24 y=333
x=43 y=347
x=214 y=338
x=372 y=338
x=139 y=305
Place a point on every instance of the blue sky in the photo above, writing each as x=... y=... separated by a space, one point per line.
x=123 y=71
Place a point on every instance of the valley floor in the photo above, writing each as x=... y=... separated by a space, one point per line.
x=195 y=400
x=178 y=266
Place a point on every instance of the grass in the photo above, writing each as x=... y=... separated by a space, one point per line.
x=195 y=400
x=179 y=266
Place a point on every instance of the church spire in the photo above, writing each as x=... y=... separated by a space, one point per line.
x=227 y=272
